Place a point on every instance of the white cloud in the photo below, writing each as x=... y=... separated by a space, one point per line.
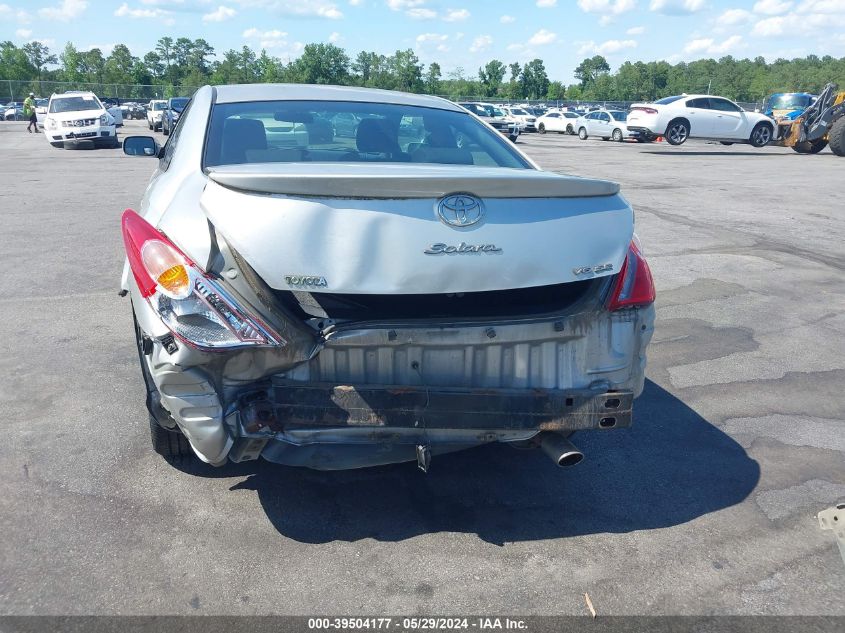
x=313 y=8
x=710 y=46
x=335 y=38
x=481 y=43
x=732 y=17
x=542 y=37
x=607 y=7
x=356 y=3
x=402 y=5
x=635 y=30
x=8 y=13
x=66 y=10
x=545 y=4
x=456 y=15
x=605 y=48
x=772 y=7
x=507 y=19
x=124 y=11
x=421 y=13
x=220 y=14
x=23 y=33
x=431 y=37
x=677 y=7
x=254 y=33
x=810 y=19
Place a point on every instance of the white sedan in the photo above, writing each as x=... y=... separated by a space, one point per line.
x=557 y=122
x=700 y=116
x=607 y=124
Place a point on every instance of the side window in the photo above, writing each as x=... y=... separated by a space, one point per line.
x=604 y=117
x=724 y=105
x=554 y=115
x=170 y=146
x=698 y=103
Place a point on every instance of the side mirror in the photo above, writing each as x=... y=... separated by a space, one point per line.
x=141 y=146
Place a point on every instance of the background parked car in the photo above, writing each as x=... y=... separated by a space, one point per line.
x=155 y=110
x=495 y=117
x=560 y=122
x=171 y=113
x=13 y=111
x=701 y=116
x=527 y=120
x=606 y=124
x=112 y=105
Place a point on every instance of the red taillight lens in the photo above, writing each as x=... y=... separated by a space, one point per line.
x=634 y=284
x=646 y=110
x=154 y=259
x=195 y=307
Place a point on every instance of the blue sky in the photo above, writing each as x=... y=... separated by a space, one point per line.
x=455 y=33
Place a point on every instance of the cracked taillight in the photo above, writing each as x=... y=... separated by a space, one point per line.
x=190 y=303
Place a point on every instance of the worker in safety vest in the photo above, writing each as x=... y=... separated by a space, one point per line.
x=29 y=112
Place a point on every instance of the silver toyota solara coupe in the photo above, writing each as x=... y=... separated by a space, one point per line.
x=412 y=286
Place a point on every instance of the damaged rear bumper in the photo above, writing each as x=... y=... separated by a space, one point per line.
x=305 y=424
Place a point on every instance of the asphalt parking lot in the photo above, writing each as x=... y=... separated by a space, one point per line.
x=705 y=506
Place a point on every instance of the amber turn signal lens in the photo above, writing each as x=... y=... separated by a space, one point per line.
x=175 y=280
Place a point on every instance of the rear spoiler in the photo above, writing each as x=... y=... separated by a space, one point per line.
x=397 y=181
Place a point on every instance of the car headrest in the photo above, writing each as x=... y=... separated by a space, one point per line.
x=376 y=136
x=240 y=135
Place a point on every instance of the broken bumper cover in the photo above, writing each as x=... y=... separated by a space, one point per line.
x=330 y=427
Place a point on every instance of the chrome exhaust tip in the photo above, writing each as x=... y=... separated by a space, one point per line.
x=563 y=452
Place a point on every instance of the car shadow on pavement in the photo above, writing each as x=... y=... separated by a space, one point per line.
x=669 y=152
x=669 y=468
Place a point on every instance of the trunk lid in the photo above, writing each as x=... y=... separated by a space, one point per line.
x=381 y=229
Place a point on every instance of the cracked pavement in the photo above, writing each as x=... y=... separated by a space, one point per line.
x=705 y=506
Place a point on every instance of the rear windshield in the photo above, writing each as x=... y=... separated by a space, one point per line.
x=619 y=116
x=338 y=131
x=75 y=104
x=161 y=105
x=668 y=100
x=178 y=104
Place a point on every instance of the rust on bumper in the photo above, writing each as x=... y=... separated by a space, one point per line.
x=298 y=404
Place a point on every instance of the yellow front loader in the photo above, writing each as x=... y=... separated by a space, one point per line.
x=820 y=125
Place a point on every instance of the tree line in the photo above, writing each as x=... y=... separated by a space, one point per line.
x=183 y=62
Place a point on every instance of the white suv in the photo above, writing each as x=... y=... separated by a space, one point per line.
x=79 y=116
x=155 y=112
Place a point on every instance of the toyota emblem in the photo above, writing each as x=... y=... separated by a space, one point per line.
x=460 y=210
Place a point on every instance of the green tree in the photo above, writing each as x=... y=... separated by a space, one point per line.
x=39 y=56
x=164 y=49
x=14 y=63
x=534 y=79
x=432 y=79
x=491 y=77
x=71 y=60
x=406 y=68
x=119 y=66
x=322 y=64
x=589 y=69
x=556 y=91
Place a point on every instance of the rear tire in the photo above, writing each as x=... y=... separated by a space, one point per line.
x=677 y=132
x=582 y=134
x=170 y=444
x=570 y=130
x=809 y=147
x=837 y=136
x=725 y=142
x=617 y=135
x=541 y=129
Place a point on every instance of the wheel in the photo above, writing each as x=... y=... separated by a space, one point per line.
x=726 y=142
x=541 y=129
x=582 y=134
x=149 y=125
x=677 y=133
x=605 y=138
x=761 y=135
x=57 y=144
x=837 y=136
x=569 y=129
x=810 y=147
x=617 y=135
x=165 y=131
x=513 y=138
x=170 y=444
